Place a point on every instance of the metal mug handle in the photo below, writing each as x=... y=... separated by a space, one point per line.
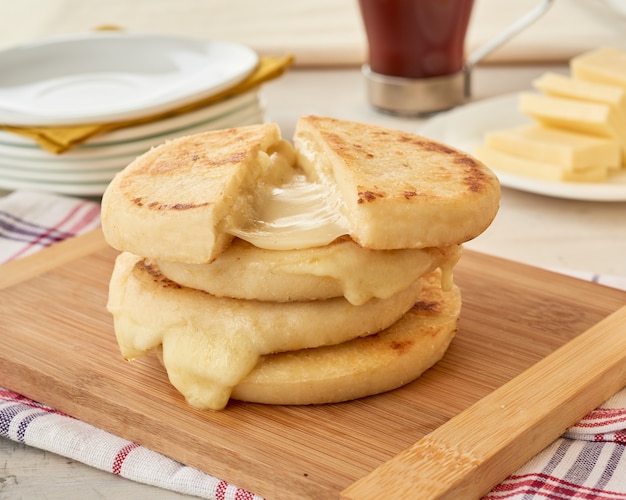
x=518 y=26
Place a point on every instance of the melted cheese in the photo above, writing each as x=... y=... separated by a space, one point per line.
x=290 y=211
x=203 y=362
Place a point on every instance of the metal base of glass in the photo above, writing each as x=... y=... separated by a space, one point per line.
x=415 y=96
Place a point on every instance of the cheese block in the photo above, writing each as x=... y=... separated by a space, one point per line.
x=553 y=84
x=569 y=150
x=557 y=85
x=505 y=162
x=605 y=65
x=579 y=116
x=585 y=117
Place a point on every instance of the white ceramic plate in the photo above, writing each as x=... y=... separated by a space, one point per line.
x=82 y=181
x=103 y=77
x=64 y=176
x=128 y=135
x=31 y=154
x=464 y=128
x=68 y=188
x=112 y=159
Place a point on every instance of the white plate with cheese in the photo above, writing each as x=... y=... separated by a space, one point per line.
x=464 y=128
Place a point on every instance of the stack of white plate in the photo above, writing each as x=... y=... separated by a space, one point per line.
x=112 y=77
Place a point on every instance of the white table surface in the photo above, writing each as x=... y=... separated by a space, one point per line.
x=537 y=230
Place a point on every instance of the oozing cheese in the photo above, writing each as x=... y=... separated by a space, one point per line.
x=291 y=211
x=569 y=150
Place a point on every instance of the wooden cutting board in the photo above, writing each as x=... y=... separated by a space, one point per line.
x=58 y=347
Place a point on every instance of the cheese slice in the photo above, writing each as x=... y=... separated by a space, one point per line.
x=553 y=84
x=570 y=150
x=585 y=117
x=604 y=65
x=557 y=85
x=566 y=86
x=593 y=118
x=505 y=162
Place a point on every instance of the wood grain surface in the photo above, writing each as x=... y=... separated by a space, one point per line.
x=479 y=447
x=58 y=347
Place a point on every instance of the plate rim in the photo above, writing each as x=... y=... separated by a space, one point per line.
x=87 y=188
x=25 y=153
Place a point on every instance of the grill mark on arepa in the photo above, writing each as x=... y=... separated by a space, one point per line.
x=153 y=271
x=401 y=347
x=234 y=158
x=427 y=307
x=346 y=148
x=427 y=145
x=475 y=177
x=165 y=166
x=157 y=205
x=367 y=195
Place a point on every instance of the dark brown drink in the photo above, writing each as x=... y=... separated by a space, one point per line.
x=416 y=38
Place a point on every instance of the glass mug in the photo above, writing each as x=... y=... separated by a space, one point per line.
x=417 y=52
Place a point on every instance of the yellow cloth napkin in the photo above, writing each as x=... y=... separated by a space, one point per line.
x=58 y=139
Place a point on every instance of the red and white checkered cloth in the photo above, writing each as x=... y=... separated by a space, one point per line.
x=30 y=221
x=587 y=462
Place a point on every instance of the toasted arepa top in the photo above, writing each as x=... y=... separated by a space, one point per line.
x=400 y=190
